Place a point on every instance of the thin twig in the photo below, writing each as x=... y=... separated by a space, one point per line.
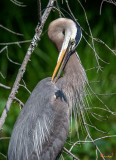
x=2 y=75
x=98 y=108
x=24 y=86
x=17 y=43
x=70 y=10
x=22 y=69
x=4 y=86
x=108 y=1
x=18 y=34
x=96 y=55
x=70 y=154
x=39 y=10
x=97 y=40
x=11 y=59
x=3 y=155
x=95 y=128
x=88 y=133
x=109 y=94
x=20 y=4
x=93 y=82
x=60 y=12
x=96 y=155
x=99 y=67
x=100 y=41
x=57 y=5
x=3 y=49
x=19 y=101
x=62 y=1
x=97 y=139
x=62 y=157
x=4 y=138
x=113 y=113
x=92 y=68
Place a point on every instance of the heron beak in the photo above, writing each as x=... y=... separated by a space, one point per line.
x=62 y=59
x=58 y=64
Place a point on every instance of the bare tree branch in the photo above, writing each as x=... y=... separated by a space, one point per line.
x=3 y=155
x=88 y=134
x=99 y=41
x=6 y=87
x=20 y=4
x=3 y=138
x=69 y=152
x=39 y=10
x=11 y=59
x=24 y=86
x=108 y=1
x=18 y=34
x=93 y=45
x=17 y=43
x=95 y=128
x=57 y=6
x=3 y=49
x=113 y=113
x=19 y=101
x=6 y=48
x=2 y=75
x=104 y=94
x=60 y=13
x=22 y=69
x=99 y=67
x=78 y=142
x=70 y=10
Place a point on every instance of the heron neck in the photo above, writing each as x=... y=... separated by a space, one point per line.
x=73 y=80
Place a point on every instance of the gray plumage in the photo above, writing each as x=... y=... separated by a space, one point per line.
x=38 y=125
x=42 y=126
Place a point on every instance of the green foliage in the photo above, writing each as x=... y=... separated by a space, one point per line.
x=43 y=60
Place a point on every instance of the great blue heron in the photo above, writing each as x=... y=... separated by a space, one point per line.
x=42 y=126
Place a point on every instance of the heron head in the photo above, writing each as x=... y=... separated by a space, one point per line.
x=72 y=37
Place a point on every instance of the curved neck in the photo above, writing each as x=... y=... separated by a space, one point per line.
x=74 y=77
x=73 y=80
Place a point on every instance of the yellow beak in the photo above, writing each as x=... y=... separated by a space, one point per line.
x=58 y=65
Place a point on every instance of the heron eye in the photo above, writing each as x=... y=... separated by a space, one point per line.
x=73 y=42
x=63 y=32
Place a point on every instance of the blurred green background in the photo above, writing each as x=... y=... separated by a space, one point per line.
x=24 y=20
